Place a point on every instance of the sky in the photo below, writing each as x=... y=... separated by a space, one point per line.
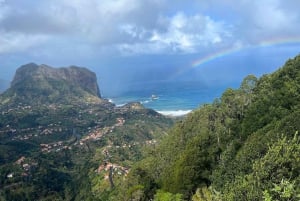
x=144 y=41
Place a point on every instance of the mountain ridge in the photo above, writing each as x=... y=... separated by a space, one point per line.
x=44 y=83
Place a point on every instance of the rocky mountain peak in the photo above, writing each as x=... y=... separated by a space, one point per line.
x=42 y=84
x=76 y=76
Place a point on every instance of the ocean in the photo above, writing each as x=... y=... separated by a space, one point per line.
x=169 y=98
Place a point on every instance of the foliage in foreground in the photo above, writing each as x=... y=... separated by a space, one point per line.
x=244 y=146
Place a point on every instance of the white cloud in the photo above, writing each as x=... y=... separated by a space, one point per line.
x=145 y=26
x=269 y=16
x=187 y=33
x=111 y=22
x=275 y=20
x=135 y=32
x=16 y=42
x=183 y=34
x=260 y=20
x=121 y=23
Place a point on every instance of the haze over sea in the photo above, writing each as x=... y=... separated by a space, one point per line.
x=169 y=98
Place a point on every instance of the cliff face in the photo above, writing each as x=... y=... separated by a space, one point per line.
x=73 y=75
x=38 y=84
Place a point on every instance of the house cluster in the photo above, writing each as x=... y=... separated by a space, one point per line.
x=120 y=121
x=18 y=109
x=35 y=132
x=110 y=168
x=9 y=130
x=98 y=133
x=26 y=165
x=95 y=134
x=56 y=146
x=117 y=169
x=24 y=137
x=151 y=142
x=127 y=145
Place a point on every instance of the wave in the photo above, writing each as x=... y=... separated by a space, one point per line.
x=174 y=113
x=145 y=102
x=120 y=105
x=117 y=104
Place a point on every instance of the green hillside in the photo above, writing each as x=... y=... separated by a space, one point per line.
x=56 y=131
x=243 y=146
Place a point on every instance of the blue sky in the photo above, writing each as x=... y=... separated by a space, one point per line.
x=126 y=41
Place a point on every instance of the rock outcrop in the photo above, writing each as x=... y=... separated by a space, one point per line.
x=77 y=76
x=42 y=83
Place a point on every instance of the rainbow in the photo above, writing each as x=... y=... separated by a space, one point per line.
x=265 y=43
x=230 y=50
x=279 y=41
x=205 y=59
x=215 y=55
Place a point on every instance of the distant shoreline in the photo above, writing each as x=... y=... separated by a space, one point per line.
x=168 y=113
x=174 y=113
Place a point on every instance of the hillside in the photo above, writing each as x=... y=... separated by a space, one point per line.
x=55 y=128
x=243 y=146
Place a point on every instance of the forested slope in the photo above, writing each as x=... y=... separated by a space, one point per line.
x=59 y=140
x=243 y=146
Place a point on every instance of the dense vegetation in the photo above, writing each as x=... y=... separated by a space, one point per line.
x=243 y=146
x=59 y=140
x=48 y=154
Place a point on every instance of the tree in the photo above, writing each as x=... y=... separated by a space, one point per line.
x=276 y=176
x=166 y=196
x=248 y=84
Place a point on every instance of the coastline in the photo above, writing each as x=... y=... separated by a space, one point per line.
x=174 y=113
x=164 y=111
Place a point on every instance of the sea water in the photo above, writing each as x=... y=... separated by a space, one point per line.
x=169 y=98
